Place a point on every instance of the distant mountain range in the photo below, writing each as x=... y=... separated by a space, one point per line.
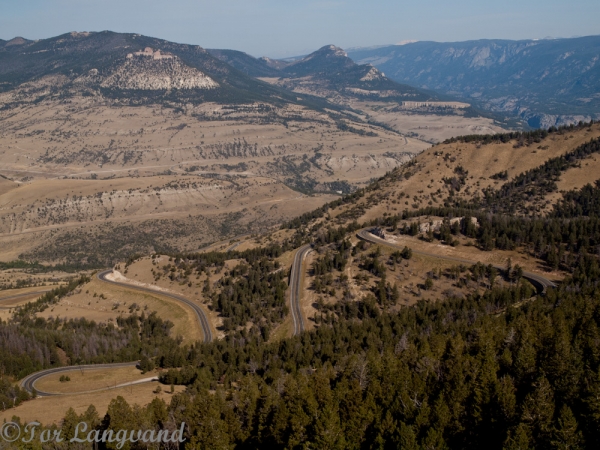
x=132 y=68
x=328 y=72
x=254 y=67
x=546 y=82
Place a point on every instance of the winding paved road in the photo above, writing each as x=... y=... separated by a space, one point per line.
x=540 y=283
x=296 y=288
x=28 y=383
x=204 y=324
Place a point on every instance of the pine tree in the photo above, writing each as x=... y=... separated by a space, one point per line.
x=566 y=435
x=518 y=438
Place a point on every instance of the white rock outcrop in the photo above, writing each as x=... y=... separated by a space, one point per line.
x=373 y=74
x=155 y=71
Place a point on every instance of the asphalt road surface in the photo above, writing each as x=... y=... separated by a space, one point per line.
x=538 y=281
x=28 y=383
x=197 y=309
x=296 y=288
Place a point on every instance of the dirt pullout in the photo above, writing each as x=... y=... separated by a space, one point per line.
x=117 y=276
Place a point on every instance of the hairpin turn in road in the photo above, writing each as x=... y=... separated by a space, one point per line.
x=200 y=314
x=540 y=283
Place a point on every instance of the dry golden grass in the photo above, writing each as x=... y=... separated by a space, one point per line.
x=428 y=127
x=32 y=291
x=13 y=303
x=32 y=281
x=90 y=379
x=425 y=186
x=306 y=299
x=7 y=303
x=118 y=301
x=472 y=253
x=53 y=151
x=6 y=185
x=284 y=330
x=141 y=271
x=577 y=177
x=49 y=410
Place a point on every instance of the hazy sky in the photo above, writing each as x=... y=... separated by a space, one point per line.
x=280 y=28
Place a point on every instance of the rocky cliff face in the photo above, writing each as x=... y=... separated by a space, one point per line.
x=153 y=71
x=546 y=82
x=130 y=68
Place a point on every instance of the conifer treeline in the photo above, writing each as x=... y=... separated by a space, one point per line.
x=499 y=370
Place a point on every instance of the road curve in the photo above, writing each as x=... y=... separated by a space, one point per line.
x=25 y=295
x=204 y=324
x=540 y=283
x=28 y=383
x=296 y=288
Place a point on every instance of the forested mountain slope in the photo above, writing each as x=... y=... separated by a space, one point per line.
x=548 y=82
x=327 y=72
x=133 y=68
x=255 y=67
x=501 y=367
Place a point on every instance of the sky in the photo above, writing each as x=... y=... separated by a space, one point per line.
x=281 y=28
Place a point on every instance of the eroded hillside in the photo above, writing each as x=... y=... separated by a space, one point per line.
x=80 y=167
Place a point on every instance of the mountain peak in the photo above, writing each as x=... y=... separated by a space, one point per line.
x=373 y=74
x=132 y=68
x=17 y=41
x=327 y=59
x=332 y=49
x=328 y=51
x=80 y=33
